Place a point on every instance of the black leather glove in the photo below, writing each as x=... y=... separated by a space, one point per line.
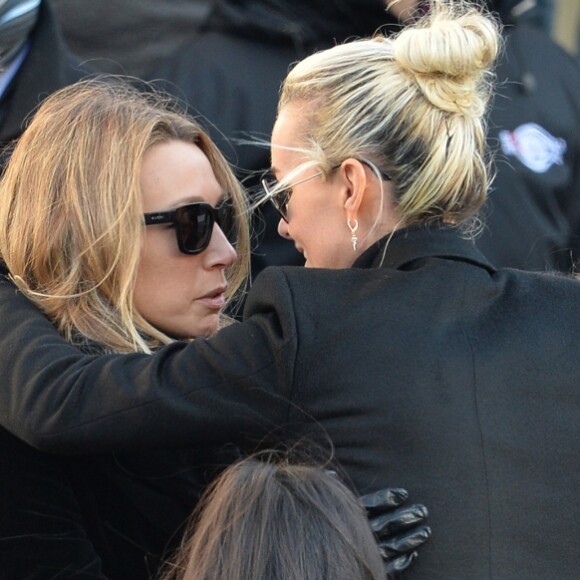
x=399 y=530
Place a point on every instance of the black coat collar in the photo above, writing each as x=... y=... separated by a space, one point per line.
x=399 y=249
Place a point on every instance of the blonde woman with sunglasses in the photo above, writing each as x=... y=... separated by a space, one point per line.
x=97 y=162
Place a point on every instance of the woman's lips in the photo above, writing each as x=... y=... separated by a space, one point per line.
x=215 y=300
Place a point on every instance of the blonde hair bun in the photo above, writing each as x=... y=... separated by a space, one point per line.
x=450 y=53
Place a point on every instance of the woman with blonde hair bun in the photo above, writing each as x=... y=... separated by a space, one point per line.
x=412 y=107
x=399 y=340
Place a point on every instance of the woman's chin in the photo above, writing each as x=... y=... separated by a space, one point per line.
x=204 y=328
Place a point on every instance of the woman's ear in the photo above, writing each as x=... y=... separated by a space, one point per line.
x=355 y=178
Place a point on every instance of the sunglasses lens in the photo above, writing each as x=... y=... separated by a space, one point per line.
x=278 y=199
x=194 y=225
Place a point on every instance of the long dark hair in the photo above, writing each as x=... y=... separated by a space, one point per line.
x=267 y=517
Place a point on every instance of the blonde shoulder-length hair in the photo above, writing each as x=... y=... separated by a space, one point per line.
x=71 y=212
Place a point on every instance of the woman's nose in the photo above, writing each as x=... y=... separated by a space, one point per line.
x=283 y=229
x=220 y=251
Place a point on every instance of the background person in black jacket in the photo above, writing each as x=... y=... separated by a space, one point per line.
x=231 y=72
x=35 y=62
x=400 y=342
x=532 y=219
x=129 y=37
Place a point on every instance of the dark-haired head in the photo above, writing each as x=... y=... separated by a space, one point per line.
x=269 y=518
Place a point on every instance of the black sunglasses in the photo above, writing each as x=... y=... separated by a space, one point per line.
x=194 y=224
x=281 y=197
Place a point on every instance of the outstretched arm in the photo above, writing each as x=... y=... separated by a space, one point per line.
x=59 y=399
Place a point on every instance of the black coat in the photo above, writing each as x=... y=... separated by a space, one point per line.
x=97 y=516
x=107 y=516
x=431 y=371
x=42 y=528
x=48 y=66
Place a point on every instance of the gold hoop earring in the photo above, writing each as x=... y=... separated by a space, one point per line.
x=353 y=228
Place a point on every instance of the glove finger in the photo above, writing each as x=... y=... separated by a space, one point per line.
x=394 y=567
x=403 y=543
x=384 y=499
x=397 y=520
